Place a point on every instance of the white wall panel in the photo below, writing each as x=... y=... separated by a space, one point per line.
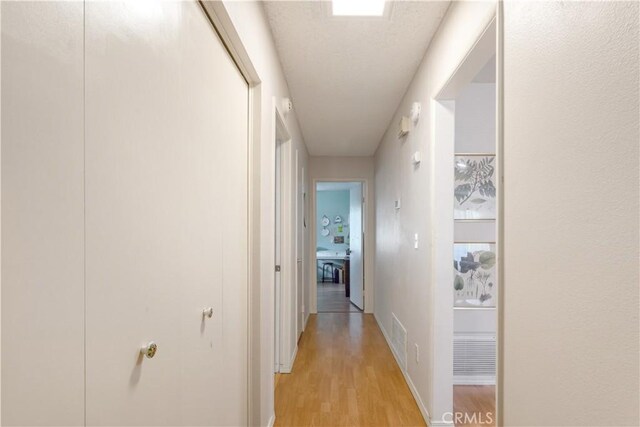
x=42 y=214
x=476 y=119
x=571 y=209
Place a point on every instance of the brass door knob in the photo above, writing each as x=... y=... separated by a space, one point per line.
x=149 y=350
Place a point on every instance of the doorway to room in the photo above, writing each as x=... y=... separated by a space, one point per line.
x=466 y=178
x=339 y=247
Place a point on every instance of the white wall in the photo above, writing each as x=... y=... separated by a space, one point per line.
x=476 y=119
x=332 y=203
x=570 y=342
x=249 y=20
x=347 y=169
x=403 y=274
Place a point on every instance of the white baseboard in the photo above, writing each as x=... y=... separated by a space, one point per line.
x=471 y=380
x=440 y=424
x=412 y=387
x=286 y=368
x=272 y=421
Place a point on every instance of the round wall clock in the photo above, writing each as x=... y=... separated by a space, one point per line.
x=325 y=220
x=325 y=232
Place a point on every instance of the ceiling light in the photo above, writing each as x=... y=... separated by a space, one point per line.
x=358 y=7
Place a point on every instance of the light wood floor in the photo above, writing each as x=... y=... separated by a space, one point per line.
x=344 y=375
x=332 y=299
x=478 y=400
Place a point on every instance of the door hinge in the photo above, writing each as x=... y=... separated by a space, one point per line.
x=277 y=268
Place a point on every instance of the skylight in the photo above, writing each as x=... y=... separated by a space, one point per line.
x=358 y=7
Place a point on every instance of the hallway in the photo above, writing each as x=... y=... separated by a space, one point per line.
x=344 y=374
x=319 y=213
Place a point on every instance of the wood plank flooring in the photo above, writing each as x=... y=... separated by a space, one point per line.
x=478 y=402
x=344 y=375
x=332 y=299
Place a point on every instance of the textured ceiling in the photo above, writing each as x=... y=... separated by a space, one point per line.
x=347 y=75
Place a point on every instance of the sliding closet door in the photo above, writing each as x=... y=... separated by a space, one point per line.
x=42 y=214
x=166 y=218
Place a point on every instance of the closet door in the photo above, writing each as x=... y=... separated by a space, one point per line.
x=166 y=218
x=42 y=214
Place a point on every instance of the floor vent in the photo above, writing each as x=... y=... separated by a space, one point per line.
x=474 y=359
x=399 y=341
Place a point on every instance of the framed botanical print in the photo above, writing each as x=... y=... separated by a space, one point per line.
x=474 y=186
x=474 y=275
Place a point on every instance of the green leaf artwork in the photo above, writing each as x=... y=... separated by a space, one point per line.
x=474 y=275
x=475 y=190
x=487 y=259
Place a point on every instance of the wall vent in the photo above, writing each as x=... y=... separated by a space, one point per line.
x=474 y=359
x=399 y=341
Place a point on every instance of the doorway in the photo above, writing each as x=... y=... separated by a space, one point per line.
x=466 y=176
x=339 y=248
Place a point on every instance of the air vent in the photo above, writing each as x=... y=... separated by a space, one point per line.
x=399 y=341
x=474 y=359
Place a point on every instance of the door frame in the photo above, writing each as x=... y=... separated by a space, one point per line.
x=486 y=45
x=222 y=24
x=300 y=242
x=285 y=298
x=367 y=232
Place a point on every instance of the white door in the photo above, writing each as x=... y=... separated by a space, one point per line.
x=166 y=218
x=355 y=246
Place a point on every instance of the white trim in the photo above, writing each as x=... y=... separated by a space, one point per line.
x=476 y=58
x=224 y=27
x=306 y=320
x=272 y=420
x=440 y=424
x=405 y=374
x=286 y=368
x=500 y=210
x=474 y=380
x=442 y=238
x=286 y=323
